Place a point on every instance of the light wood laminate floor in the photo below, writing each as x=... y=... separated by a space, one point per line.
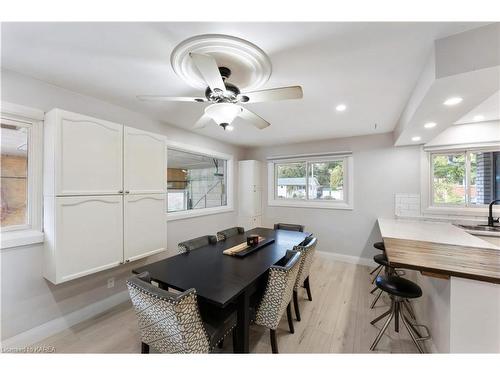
x=336 y=321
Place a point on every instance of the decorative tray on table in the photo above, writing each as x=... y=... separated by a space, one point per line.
x=243 y=249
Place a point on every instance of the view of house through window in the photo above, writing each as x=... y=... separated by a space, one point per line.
x=195 y=181
x=466 y=178
x=323 y=180
x=14 y=189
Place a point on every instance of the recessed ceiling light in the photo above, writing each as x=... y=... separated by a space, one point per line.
x=453 y=101
x=341 y=108
x=430 y=125
x=229 y=128
x=416 y=138
x=478 y=118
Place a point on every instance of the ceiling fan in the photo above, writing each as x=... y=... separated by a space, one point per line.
x=226 y=97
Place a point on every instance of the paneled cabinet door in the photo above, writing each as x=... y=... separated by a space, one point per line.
x=144 y=162
x=88 y=155
x=89 y=235
x=145 y=225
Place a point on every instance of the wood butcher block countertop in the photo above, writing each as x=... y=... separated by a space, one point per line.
x=439 y=249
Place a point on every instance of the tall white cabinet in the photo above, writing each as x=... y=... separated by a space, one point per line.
x=250 y=194
x=104 y=195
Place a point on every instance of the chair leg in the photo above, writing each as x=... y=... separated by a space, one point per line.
x=144 y=348
x=220 y=345
x=307 y=285
x=397 y=309
x=381 y=317
x=375 y=269
x=384 y=328
x=376 y=299
x=412 y=334
x=296 y=304
x=274 y=343
x=235 y=340
x=289 y=316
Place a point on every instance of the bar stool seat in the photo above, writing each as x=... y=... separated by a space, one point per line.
x=397 y=286
x=382 y=260
x=379 y=245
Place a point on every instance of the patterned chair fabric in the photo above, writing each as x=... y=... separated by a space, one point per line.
x=172 y=323
x=294 y=227
x=307 y=249
x=196 y=243
x=230 y=232
x=278 y=293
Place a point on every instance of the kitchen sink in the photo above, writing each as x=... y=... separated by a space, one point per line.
x=482 y=228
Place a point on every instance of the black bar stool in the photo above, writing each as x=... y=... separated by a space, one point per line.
x=383 y=262
x=380 y=246
x=400 y=290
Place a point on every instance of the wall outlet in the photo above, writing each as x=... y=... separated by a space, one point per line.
x=111 y=283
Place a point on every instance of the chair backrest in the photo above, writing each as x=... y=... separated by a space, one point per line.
x=294 y=227
x=196 y=243
x=279 y=290
x=307 y=249
x=230 y=232
x=168 y=322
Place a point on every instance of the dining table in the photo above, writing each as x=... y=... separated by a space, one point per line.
x=222 y=280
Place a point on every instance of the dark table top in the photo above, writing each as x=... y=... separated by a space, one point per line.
x=220 y=278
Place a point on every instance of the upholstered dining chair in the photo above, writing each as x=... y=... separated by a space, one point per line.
x=278 y=295
x=230 y=232
x=196 y=243
x=294 y=227
x=307 y=249
x=172 y=323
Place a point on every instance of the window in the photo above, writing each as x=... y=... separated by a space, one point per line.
x=14 y=181
x=21 y=168
x=465 y=178
x=311 y=181
x=197 y=182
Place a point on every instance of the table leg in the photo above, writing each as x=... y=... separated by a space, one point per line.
x=243 y=323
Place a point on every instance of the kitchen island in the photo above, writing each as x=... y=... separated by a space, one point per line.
x=460 y=277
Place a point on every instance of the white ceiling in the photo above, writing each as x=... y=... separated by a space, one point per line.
x=371 y=67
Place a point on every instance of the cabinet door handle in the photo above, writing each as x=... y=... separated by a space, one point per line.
x=120 y=191
x=127 y=191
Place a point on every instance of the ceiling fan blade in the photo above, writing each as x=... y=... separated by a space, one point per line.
x=255 y=119
x=280 y=93
x=161 y=98
x=209 y=70
x=202 y=122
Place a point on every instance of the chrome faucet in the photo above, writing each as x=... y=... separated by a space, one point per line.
x=491 y=221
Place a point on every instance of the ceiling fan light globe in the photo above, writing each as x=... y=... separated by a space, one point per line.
x=223 y=113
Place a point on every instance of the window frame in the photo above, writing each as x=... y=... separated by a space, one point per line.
x=180 y=215
x=32 y=232
x=348 y=192
x=429 y=208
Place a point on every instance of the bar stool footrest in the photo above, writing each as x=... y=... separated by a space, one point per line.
x=427 y=335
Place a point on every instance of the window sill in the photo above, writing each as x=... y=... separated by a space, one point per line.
x=182 y=215
x=21 y=238
x=312 y=204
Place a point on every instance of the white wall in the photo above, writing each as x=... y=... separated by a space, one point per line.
x=380 y=171
x=27 y=299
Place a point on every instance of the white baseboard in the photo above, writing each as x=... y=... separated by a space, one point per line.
x=346 y=258
x=57 y=325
